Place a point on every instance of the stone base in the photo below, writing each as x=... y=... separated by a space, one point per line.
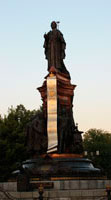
x=62 y=190
x=53 y=167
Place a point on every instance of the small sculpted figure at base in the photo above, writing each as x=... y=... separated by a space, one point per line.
x=69 y=137
x=36 y=135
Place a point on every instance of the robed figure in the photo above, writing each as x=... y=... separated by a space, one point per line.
x=55 y=49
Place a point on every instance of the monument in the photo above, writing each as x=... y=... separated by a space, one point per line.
x=53 y=138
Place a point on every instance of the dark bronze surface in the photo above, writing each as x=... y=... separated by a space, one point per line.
x=55 y=49
x=36 y=135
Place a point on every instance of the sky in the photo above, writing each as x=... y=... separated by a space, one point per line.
x=86 y=26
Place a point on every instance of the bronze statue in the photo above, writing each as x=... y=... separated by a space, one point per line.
x=69 y=138
x=55 y=49
x=36 y=135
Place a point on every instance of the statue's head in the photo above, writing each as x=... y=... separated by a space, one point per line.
x=53 y=25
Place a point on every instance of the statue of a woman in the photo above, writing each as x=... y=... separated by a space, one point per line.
x=55 y=49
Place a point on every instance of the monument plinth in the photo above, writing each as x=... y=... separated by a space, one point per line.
x=57 y=94
x=53 y=139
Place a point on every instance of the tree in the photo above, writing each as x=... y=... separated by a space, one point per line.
x=97 y=139
x=12 y=139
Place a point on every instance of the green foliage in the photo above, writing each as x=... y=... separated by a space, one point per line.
x=97 y=139
x=12 y=139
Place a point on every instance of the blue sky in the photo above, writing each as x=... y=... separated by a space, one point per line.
x=86 y=26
